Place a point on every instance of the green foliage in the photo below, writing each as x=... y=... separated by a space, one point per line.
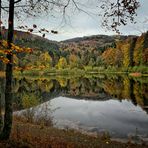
x=29 y=100
x=98 y=69
x=142 y=69
x=45 y=60
x=64 y=57
x=88 y=68
x=99 y=61
x=131 y=52
x=126 y=58
x=91 y=62
x=73 y=61
x=62 y=63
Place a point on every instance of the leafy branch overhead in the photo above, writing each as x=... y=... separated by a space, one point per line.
x=115 y=12
x=35 y=29
x=119 y=12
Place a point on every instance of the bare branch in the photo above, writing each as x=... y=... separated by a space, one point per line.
x=5 y=9
x=17 y=1
x=64 y=9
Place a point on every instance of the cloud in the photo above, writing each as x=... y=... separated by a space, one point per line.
x=80 y=24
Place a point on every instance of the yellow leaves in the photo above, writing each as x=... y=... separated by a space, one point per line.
x=138 y=50
x=63 y=82
x=62 y=63
x=13 y=49
x=4 y=60
x=1 y=51
x=109 y=56
x=17 y=49
x=126 y=48
x=5 y=49
x=29 y=100
x=45 y=60
x=4 y=43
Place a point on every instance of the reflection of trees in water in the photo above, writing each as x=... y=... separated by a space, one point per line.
x=131 y=91
x=114 y=87
x=128 y=88
x=43 y=89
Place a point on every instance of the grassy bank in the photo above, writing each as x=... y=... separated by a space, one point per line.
x=132 y=71
x=30 y=136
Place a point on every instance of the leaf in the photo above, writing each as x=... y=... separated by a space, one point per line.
x=34 y=26
x=30 y=30
x=54 y=32
x=1 y=22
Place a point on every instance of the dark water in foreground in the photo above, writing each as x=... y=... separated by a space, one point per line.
x=117 y=105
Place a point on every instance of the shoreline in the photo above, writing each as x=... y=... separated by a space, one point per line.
x=69 y=138
x=77 y=73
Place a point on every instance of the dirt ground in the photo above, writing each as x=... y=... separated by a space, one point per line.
x=25 y=135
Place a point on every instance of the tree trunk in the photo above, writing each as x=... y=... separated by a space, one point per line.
x=0 y=19
x=1 y=63
x=8 y=87
x=1 y=122
x=1 y=117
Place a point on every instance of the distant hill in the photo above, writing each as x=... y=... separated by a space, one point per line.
x=75 y=45
x=90 y=43
x=82 y=51
x=95 y=38
x=90 y=48
x=35 y=41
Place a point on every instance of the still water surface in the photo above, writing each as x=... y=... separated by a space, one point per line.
x=95 y=104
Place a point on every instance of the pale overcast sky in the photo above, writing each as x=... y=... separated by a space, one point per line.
x=81 y=24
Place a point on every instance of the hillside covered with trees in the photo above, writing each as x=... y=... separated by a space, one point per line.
x=92 y=53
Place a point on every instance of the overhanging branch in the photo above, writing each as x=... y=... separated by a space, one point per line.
x=17 y=1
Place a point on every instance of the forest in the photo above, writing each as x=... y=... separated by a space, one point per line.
x=92 y=53
x=73 y=73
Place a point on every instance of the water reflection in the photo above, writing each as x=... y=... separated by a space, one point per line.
x=91 y=88
x=120 y=119
x=118 y=104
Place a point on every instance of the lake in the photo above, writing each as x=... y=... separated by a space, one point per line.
x=96 y=104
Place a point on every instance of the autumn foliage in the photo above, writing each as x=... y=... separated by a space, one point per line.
x=5 y=49
x=127 y=52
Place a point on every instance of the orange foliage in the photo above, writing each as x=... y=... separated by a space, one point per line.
x=136 y=74
x=138 y=50
x=109 y=56
x=5 y=50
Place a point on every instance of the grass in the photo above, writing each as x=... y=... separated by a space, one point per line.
x=139 y=70
x=33 y=135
